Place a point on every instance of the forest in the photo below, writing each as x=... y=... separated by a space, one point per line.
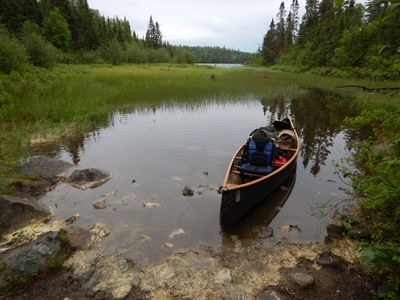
x=47 y=32
x=339 y=37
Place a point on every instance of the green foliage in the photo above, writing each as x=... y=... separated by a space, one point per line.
x=42 y=53
x=378 y=187
x=113 y=53
x=13 y=56
x=218 y=55
x=340 y=37
x=56 y=30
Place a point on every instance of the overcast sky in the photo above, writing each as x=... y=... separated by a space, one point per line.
x=234 y=24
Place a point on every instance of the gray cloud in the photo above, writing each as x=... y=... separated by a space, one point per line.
x=231 y=23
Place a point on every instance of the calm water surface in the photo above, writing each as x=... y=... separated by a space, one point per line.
x=167 y=147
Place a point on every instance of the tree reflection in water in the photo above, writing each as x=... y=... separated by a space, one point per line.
x=319 y=116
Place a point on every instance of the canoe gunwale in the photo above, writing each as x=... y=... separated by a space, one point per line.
x=225 y=187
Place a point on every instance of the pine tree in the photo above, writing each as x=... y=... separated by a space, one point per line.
x=309 y=22
x=268 y=50
x=280 y=28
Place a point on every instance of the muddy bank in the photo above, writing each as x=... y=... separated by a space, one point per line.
x=267 y=269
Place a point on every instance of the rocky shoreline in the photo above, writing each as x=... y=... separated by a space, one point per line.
x=56 y=260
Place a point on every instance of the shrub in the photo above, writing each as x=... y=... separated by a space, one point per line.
x=13 y=56
x=113 y=53
x=377 y=185
x=42 y=53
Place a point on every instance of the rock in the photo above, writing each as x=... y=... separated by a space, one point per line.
x=28 y=188
x=101 y=204
x=359 y=234
x=168 y=245
x=187 y=191
x=335 y=231
x=133 y=181
x=223 y=276
x=302 y=280
x=290 y=227
x=264 y=232
x=327 y=259
x=267 y=295
x=72 y=219
x=176 y=232
x=46 y=167
x=88 y=178
x=79 y=238
x=144 y=237
x=205 y=173
x=98 y=231
x=16 y=213
x=27 y=261
x=150 y=204
x=108 y=274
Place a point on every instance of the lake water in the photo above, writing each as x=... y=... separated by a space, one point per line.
x=154 y=152
x=219 y=65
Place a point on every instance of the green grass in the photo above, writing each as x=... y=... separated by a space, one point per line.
x=45 y=105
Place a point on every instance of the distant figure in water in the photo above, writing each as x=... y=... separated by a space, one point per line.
x=212 y=76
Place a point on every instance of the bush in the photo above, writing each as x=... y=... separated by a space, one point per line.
x=377 y=185
x=42 y=53
x=13 y=56
x=113 y=53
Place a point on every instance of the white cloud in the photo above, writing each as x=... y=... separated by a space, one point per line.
x=232 y=23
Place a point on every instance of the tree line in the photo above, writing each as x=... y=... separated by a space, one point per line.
x=337 y=35
x=46 y=32
x=219 y=55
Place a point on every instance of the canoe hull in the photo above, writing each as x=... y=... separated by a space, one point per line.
x=235 y=204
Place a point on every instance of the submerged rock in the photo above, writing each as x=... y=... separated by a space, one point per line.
x=16 y=212
x=79 y=238
x=72 y=219
x=264 y=232
x=178 y=231
x=88 y=178
x=150 y=204
x=46 y=167
x=187 y=191
x=98 y=231
x=101 y=204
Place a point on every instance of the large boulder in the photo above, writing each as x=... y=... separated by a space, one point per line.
x=88 y=178
x=16 y=267
x=46 y=167
x=16 y=213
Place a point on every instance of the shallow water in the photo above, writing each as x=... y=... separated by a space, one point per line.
x=154 y=152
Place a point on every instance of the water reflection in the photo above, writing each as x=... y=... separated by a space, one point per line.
x=318 y=115
x=262 y=215
x=165 y=146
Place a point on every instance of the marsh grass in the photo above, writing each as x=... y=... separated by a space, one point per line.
x=45 y=105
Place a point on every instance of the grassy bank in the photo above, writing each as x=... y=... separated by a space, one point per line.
x=43 y=105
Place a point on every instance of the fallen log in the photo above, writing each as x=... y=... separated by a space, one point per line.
x=368 y=89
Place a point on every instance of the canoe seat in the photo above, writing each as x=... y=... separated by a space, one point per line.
x=257 y=170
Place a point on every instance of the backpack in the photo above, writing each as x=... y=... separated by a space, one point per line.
x=260 y=149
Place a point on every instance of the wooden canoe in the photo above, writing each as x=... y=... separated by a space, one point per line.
x=241 y=192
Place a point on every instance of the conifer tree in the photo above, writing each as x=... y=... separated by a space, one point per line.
x=268 y=49
x=280 y=28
